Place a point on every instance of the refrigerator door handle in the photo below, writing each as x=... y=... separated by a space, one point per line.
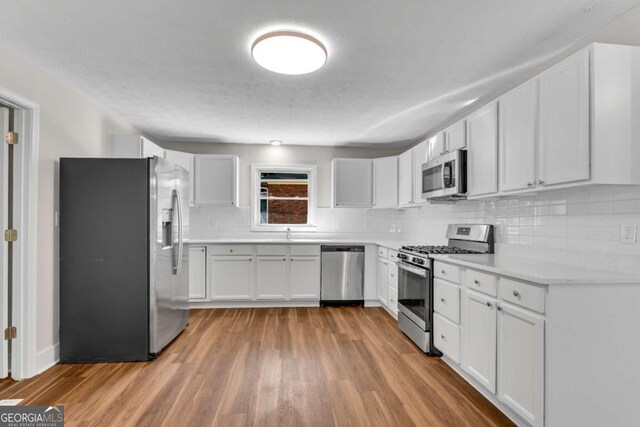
x=178 y=268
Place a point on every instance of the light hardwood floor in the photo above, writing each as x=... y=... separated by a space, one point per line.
x=293 y=366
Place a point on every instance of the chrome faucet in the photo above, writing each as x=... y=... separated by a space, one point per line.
x=288 y=233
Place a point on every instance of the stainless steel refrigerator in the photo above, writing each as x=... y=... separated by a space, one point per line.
x=124 y=268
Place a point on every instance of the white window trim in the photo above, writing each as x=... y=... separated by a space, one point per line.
x=256 y=169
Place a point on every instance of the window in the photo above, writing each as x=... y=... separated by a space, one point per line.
x=283 y=197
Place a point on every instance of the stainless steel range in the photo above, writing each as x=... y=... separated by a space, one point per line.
x=415 y=278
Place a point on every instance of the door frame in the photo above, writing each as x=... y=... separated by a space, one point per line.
x=25 y=249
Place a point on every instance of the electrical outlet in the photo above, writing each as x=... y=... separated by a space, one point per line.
x=628 y=234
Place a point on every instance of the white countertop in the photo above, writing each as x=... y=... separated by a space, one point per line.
x=537 y=271
x=392 y=244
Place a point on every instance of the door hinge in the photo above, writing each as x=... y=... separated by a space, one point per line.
x=10 y=235
x=11 y=138
x=11 y=333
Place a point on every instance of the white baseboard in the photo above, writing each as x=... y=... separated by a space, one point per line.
x=47 y=358
x=253 y=304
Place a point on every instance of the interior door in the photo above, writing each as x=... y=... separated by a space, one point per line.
x=4 y=285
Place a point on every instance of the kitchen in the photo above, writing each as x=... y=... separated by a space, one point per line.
x=482 y=271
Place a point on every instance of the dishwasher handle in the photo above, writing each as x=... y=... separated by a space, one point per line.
x=341 y=248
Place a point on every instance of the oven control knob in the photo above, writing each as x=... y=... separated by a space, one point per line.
x=418 y=261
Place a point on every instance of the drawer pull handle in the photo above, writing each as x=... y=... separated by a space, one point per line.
x=442 y=299
x=516 y=294
x=444 y=272
x=477 y=282
x=489 y=304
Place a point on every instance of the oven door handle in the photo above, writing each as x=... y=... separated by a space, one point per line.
x=422 y=272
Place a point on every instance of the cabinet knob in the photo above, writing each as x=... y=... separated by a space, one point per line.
x=516 y=294
x=477 y=282
x=284 y=259
x=540 y=182
x=442 y=336
x=231 y=250
x=489 y=304
x=443 y=272
x=499 y=308
x=529 y=184
x=442 y=299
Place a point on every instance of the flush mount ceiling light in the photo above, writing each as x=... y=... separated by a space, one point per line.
x=289 y=52
x=275 y=142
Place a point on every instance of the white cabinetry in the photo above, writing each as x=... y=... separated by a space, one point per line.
x=456 y=136
x=521 y=362
x=216 y=180
x=479 y=338
x=518 y=133
x=383 y=283
x=436 y=146
x=187 y=161
x=564 y=121
x=232 y=277
x=405 y=178
x=352 y=183
x=419 y=157
x=385 y=182
x=135 y=147
x=271 y=277
x=482 y=156
x=197 y=272
x=304 y=278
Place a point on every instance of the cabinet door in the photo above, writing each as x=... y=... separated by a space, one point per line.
x=419 y=158
x=564 y=121
x=271 y=278
x=150 y=149
x=521 y=362
x=482 y=155
x=185 y=160
x=352 y=183
x=405 y=178
x=479 y=338
x=232 y=277
x=392 y=298
x=385 y=182
x=456 y=136
x=304 y=278
x=383 y=282
x=436 y=146
x=197 y=272
x=216 y=180
x=517 y=148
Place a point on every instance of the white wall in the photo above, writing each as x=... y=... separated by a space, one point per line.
x=71 y=126
x=284 y=154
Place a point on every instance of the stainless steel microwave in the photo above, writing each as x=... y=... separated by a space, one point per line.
x=445 y=178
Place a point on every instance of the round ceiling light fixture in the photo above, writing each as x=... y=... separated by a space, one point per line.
x=275 y=142
x=289 y=52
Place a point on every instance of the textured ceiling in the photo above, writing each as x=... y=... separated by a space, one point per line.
x=181 y=70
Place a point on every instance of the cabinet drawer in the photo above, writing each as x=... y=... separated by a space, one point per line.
x=274 y=250
x=446 y=337
x=232 y=250
x=383 y=252
x=446 y=300
x=446 y=271
x=393 y=255
x=393 y=300
x=305 y=250
x=481 y=282
x=523 y=294
x=392 y=274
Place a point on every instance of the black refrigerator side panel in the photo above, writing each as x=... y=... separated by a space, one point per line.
x=104 y=260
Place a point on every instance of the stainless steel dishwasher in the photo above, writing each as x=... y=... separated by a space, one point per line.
x=342 y=279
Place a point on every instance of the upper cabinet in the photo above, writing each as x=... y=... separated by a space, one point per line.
x=405 y=178
x=352 y=183
x=518 y=133
x=436 y=146
x=187 y=161
x=136 y=147
x=456 y=136
x=482 y=156
x=419 y=157
x=385 y=182
x=564 y=121
x=216 y=180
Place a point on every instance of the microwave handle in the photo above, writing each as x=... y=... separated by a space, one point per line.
x=447 y=166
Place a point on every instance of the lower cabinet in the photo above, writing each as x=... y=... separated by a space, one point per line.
x=521 y=362
x=232 y=277
x=392 y=298
x=197 y=272
x=383 y=280
x=304 y=278
x=446 y=337
x=271 y=278
x=479 y=338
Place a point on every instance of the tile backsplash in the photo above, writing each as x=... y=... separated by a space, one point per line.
x=578 y=227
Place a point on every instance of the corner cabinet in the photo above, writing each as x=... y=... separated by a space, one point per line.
x=352 y=181
x=216 y=180
x=482 y=154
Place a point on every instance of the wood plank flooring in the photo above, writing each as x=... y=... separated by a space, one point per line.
x=271 y=367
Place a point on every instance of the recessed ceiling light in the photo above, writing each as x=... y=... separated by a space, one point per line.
x=275 y=142
x=289 y=52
